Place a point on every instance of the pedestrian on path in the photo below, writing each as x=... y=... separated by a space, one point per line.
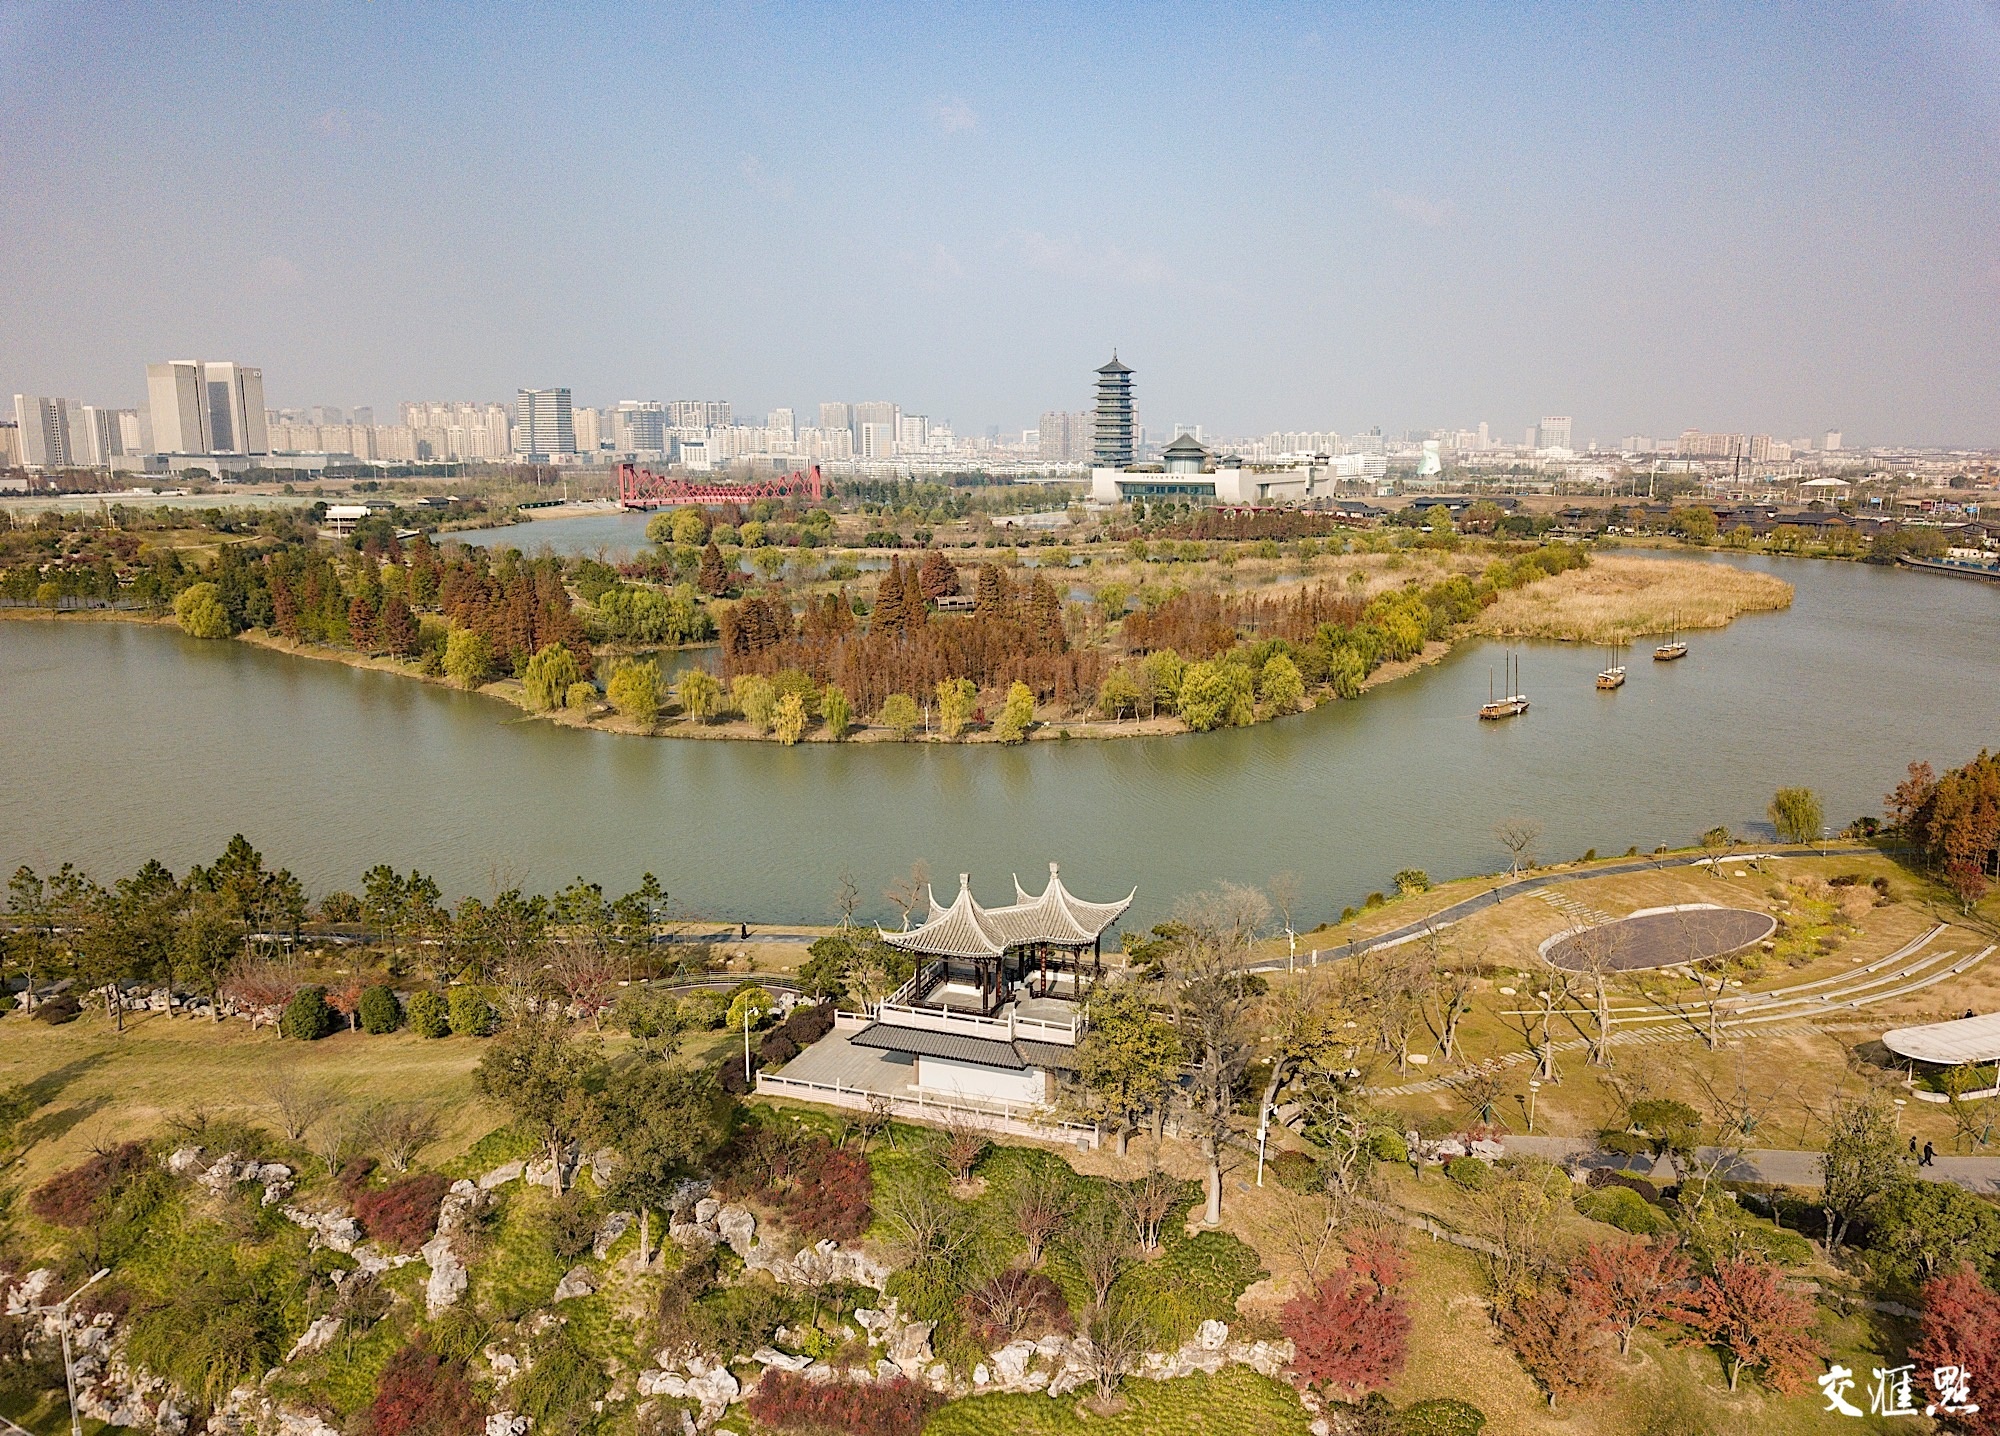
x=1913 y=1147
x=1930 y=1152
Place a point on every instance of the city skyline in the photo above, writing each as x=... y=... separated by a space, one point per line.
x=1393 y=221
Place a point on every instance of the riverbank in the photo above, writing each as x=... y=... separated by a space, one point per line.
x=1619 y=598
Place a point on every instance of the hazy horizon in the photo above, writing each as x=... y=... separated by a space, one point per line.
x=1777 y=221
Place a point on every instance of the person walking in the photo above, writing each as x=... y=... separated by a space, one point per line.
x=1913 y=1146
x=1930 y=1153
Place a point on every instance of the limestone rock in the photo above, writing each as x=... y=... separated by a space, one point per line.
x=334 y=1230
x=738 y=1227
x=506 y=1423
x=577 y=1281
x=32 y=1290
x=771 y=1356
x=322 y=1331
x=448 y=1276
x=707 y=1209
x=615 y=1226
x=690 y=1237
x=499 y=1177
x=1212 y=1335
x=184 y=1161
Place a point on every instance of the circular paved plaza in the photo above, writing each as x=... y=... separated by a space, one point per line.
x=1660 y=939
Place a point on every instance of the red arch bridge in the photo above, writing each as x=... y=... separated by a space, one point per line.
x=641 y=488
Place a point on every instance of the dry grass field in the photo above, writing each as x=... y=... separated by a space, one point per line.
x=1618 y=598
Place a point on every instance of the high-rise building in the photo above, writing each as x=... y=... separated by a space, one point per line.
x=699 y=414
x=784 y=421
x=1553 y=432
x=1067 y=438
x=44 y=431
x=1832 y=444
x=913 y=433
x=543 y=426
x=134 y=432
x=878 y=441
x=10 y=444
x=589 y=428
x=96 y=436
x=836 y=416
x=204 y=407
x=879 y=412
x=1113 y=448
x=639 y=426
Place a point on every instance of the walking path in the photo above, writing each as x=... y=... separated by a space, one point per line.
x=1500 y=892
x=1782 y=1167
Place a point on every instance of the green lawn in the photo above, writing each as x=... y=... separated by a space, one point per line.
x=1238 y=1402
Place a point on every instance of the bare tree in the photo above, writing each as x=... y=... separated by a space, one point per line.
x=1306 y=1228
x=963 y=1142
x=1212 y=1004
x=401 y=1129
x=1100 y=1243
x=1518 y=836
x=907 y=891
x=334 y=1139
x=1117 y=1336
x=875 y=1118
x=1146 y=1204
x=1718 y=843
x=1286 y=891
x=300 y=1101
x=846 y=896
x=927 y=1228
x=1402 y=983
x=1041 y=1205
x=1594 y=953
x=1300 y=1023
x=1448 y=993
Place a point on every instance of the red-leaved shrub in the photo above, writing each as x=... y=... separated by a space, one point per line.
x=1351 y=1332
x=74 y=1197
x=419 y=1395
x=788 y=1401
x=1961 y=1327
x=1015 y=1304
x=404 y=1214
x=832 y=1194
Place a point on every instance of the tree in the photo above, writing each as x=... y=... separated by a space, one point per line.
x=306 y=1017
x=1017 y=716
x=1129 y=1057
x=662 y=1119
x=1923 y=1228
x=713 y=577
x=906 y=892
x=836 y=712
x=700 y=694
x=300 y=1103
x=900 y=716
x=538 y=1072
x=1718 y=842
x=1280 y=685
x=547 y=678
x=400 y=633
x=207 y=941
x=1099 y=1244
x=1695 y=524
x=1118 y=693
x=1216 y=693
x=199 y=612
x=1863 y=1162
x=1211 y=1002
x=1040 y=1204
x=1795 y=813
x=1351 y=1332
x=1556 y=1337
x=756 y=698
x=1518 y=836
x=956 y=697
x=468 y=658
x=1745 y=1310
x=1629 y=1284
x=635 y=690
x=1960 y=1328
x=788 y=719
x=938 y=578
x=687 y=527
x=1286 y=893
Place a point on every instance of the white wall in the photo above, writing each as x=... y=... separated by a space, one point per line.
x=994 y=1084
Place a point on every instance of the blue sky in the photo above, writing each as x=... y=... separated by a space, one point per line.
x=1782 y=218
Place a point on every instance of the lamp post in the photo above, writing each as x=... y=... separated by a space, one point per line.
x=746 y=1043
x=1533 y=1087
x=1263 y=1131
x=61 y=1309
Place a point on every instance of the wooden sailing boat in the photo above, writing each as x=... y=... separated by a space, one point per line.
x=1673 y=648
x=1511 y=706
x=1613 y=677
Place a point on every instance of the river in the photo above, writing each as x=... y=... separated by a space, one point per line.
x=124 y=742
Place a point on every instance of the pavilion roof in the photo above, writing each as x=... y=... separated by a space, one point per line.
x=965 y=929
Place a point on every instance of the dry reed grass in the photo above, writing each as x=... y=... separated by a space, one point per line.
x=1617 y=599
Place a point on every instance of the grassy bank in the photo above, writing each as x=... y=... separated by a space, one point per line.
x=1618 y=598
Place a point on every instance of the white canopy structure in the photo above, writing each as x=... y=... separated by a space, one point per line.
x=1949 y=1044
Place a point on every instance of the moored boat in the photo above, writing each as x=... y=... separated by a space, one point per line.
x=1511 y=706
x=1612 y=678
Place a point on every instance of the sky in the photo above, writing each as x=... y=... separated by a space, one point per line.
x=1777 y=218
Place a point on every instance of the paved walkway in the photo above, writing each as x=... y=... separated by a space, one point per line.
x=1500 y=892
x=1775 y=1166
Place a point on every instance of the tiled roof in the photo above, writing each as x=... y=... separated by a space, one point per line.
x=926 y=1043
x=965 y=929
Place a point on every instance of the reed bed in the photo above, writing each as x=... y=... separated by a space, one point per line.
x=1618 y=599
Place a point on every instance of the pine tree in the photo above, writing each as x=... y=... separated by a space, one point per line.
x=915 y=614
x=713 y=578
x=399 y=627
x=888 y=617
x=361 y=624
x=939 y=579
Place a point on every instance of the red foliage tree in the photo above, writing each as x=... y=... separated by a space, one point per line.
x=404 y=1214
x=1629 y=1285
x=361 y=624
x=787 y=1401
x=419 y=1395
x=887 y=616
x=1953 y=821
x=1557 y=1336
x=75 y=1197
x=399 y=626
x=832 y=1193
x=938 y=578
x=713 y=577
x=1351 y=1332
x=1745 y=1310
x=1961 y=1327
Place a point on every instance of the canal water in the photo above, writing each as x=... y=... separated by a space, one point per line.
x=120 y=743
